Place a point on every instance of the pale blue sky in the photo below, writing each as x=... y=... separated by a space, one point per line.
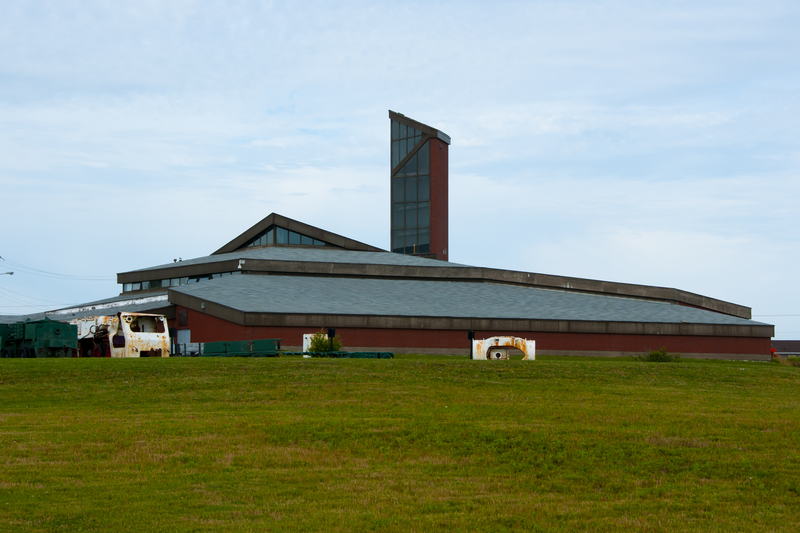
x=646 y=142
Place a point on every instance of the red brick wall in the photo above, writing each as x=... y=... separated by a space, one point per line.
x=439 y=199
x=206 y=328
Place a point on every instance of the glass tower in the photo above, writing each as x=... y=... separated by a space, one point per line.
x=419 y=188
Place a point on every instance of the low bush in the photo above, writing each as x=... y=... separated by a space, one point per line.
x=320 y=343
x=660 y=356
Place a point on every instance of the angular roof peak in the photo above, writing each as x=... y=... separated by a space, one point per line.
x=274 y=219
x=424 y=128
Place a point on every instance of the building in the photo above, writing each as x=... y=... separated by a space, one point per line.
x=282 y=278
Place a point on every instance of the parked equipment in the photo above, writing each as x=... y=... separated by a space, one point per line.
x=499 y=347
x=38 y=338
x=123 y=335
x=259 y=348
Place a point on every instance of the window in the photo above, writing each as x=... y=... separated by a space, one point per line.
x=411 y=192
x=282 y=236
x=277 y=235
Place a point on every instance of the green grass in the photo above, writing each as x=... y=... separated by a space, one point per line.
x=418 y=443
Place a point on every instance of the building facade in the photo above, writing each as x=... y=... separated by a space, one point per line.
x=282 y=278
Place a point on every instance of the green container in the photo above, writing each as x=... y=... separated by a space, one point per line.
x=215 y=348
x=40 y=338
x=240 y=347
x=3 y=335
x=267 y=345
x=259 y=348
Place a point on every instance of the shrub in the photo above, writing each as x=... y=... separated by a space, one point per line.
x=320 y=343
x=660 y=356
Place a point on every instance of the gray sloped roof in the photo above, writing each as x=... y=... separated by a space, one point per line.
x=129 y=303
x=319 y=254
x=426 y=298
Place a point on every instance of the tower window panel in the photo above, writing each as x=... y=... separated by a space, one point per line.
x=398 y=216
x=318 y=243
x=424 y=241
x=424 y=161
x=282 y=235
x=403 y=151
x=294 y=238
x=395 y=130
x=398 y=241
x=398 y=189
x=403 y=131
x=411 y=189
x=395 y=153
x=411 y=166
x=424 y=215
x=410 y=144
x=424 y=188
x=306 y=240
x=411 y=215
x=411 y=241
x=262 y=240
x=271 y=236
x=417 y=139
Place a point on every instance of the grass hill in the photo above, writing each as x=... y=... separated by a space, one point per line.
x=412 y=444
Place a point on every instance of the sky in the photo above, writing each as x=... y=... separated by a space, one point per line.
x=641 y=142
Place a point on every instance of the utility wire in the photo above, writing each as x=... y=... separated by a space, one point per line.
x=46 y=274
x=29 y=305
x=32 y=297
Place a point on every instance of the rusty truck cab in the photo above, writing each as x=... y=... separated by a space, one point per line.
x=138 y=335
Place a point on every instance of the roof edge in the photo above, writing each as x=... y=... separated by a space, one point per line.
x=246 y=318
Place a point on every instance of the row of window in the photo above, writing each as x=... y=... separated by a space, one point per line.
x=402 y=148
x=411 y=215
x=420 y=163
x=411 y=189
x=173 y=282
x=411 y=241
x=401 y=131
x=278 y=235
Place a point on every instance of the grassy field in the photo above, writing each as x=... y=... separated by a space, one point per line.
x=410 y=444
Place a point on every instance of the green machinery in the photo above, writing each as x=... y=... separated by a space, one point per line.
x=39 y=338
x=259 y=348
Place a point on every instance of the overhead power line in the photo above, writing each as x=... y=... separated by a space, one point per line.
x=32 y=297
x=46 y=274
